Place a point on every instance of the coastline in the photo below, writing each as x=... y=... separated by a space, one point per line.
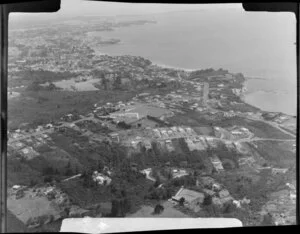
x=274 y=92
x=243 y=95
x=173 y=67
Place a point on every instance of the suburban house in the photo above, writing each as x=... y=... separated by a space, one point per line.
x=115 y=137
x=217 y=163
x=100 y=178
x=277 y=171
x=176 y=173
x=192 y=199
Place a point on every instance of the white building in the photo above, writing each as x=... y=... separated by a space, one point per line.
x=100 y=178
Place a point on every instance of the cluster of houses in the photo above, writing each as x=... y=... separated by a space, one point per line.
x=165 y=138
x=238 y=92
x=173 y=132
x=240 y=132
x=27 y=146
x=100 y=178
x=70 y=117
x=40 y=204
x=194 y=199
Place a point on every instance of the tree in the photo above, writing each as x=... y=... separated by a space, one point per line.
x=117 y=208
x=104 y=83
x=128 y=205
x=100 y=165
x=158 y=209
x=229 y=207
x=48 y=171
x=207 y=200
x=33 y=182
x=114 y=208
x=117 y=82
x=267 y=220
x=68 y=172
x=48 y=179
x=157 y=182
x=181 y=201
x=34 y=86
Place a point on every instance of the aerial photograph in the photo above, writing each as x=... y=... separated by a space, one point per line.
x=137 y=110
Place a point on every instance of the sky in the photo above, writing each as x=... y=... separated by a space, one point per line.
x=85 y=7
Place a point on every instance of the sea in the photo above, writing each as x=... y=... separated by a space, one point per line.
x=261 y=45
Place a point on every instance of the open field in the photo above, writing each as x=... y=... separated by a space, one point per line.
x=41 y=107
x=14 y=225
x=21 y=173
x=29 y=207
x=169 y=212
x=277 y=154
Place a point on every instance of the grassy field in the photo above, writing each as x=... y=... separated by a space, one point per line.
x=29 y=207
x=15 y=225
x=19 y=172
x=40 y=107
x=43 y=106
x=276 y=153
x=169 y=212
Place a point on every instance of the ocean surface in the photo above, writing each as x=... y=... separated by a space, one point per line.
x=257 y=44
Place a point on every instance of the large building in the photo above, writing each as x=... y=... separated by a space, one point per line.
x=192 y=199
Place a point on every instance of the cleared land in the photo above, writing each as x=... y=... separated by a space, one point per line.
x=169 y=212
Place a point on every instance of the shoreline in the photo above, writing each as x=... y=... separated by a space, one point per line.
x=247 y=92
x=173 y=67
x=242 y=96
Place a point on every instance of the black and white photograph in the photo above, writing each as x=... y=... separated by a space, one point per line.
x=150 y=116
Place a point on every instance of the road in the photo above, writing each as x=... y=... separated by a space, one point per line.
x=72 y=177
x=50 y=130
x=249 y=139
x=275 y=125
x=148 y=176
x=263 y=139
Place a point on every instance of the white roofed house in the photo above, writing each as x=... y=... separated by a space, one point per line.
x=222 y=198
x=157 y=133
x=176 y=173
x=100 y=178
x=115 y=137
x=147 y=144
x=198 y=144
x=192 y=199
x=164 y=134
x=217 y=163
x=169 y=145
x=170 y=133
x=29 y=152
x=277 y=171
x=190 y=144
x=190 y=131
x=174 y=128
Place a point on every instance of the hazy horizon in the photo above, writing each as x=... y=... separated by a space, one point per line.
x=257 y=44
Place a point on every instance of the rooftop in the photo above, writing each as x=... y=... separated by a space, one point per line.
x=189 y=195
